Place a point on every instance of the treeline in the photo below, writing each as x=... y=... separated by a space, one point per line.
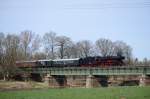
x=28 y=45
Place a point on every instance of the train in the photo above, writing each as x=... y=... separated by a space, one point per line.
x=96 y=61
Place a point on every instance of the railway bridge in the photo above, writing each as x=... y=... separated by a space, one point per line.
x=141 y=73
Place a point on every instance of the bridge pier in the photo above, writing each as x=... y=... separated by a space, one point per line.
x=55 y=81
x=76 y=81
x=89 y=81
x=142 y=80
x=26 y=77
x=47 y=79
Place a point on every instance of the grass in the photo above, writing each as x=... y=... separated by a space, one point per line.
x=80 y=93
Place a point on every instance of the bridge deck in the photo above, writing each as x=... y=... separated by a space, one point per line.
x=125 y=70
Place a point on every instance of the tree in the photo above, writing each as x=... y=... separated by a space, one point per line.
x=71 y=51
x=84 y=48
x=62 y=42
x=2 y=54
x=50 y=44
x=39 y=56
x=122 y=49
x=2 y=37
x=35 y=44
x=145 y=62
x=136 y=62
x=25 y=40
x=11 y=44
x=105 y=46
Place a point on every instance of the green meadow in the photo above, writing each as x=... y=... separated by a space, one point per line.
x=79 y=93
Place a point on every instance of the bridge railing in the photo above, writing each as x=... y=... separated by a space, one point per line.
x=124 y=70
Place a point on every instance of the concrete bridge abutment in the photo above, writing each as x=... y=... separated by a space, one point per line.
x=89 y=81
x=144 y=80
x=55 y=81
x=95 y=81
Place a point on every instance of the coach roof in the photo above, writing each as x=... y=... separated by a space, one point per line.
x=66 y=59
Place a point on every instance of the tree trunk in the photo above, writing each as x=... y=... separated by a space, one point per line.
x=62 y=52
x=52 y=52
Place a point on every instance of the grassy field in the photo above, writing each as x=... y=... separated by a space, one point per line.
x=80 y=93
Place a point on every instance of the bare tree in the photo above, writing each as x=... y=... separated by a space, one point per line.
x=105 y=46
x=11 y=45
x=84 y=48
x=71 y=51
x=39 y=55
x=122 y=49
x=63 y=42
x=35 y=44
x=25 y=40
x=2 y=37
x=50 y=44
x=2 y=54
x=145 y=62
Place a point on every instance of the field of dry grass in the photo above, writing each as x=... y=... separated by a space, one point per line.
x=10 y=85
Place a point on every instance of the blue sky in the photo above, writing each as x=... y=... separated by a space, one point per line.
x=126 y=20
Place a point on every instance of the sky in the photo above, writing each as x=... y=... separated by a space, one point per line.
x=125 y=20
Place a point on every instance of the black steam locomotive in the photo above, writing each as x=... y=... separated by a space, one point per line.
x=96 y=61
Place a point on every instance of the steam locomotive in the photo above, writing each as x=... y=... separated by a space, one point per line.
x=96 y=61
